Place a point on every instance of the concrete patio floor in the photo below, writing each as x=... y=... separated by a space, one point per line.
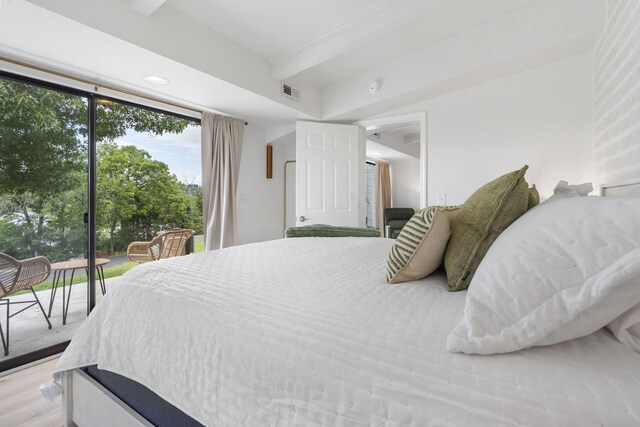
x=29 y=329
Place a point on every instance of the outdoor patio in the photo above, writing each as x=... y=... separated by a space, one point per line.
x=29 y=329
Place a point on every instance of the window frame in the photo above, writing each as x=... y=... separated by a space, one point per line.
x=92 y=105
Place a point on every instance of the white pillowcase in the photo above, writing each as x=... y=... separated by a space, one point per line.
x=627 y=328
x=564 y=191
x=561 y=271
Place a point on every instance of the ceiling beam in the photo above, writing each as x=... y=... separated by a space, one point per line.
x=389 y=24
x=547 y=31
x=385 y=17
x=232 y=63
x=147 y=7
x=411 y=138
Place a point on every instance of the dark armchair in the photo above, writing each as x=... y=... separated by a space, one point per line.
x=394 y=219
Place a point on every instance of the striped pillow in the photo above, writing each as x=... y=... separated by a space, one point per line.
x=419 y=249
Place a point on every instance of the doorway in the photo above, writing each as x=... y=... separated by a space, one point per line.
x=401 y=138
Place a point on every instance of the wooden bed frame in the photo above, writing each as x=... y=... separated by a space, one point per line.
x=86 y=402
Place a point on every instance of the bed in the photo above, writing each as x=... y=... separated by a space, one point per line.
x=307 y=332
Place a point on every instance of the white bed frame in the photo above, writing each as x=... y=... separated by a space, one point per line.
x=86 y=402
x=621 y=189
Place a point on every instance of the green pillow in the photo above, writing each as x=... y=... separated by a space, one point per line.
x=486 y=214
x=534 y=197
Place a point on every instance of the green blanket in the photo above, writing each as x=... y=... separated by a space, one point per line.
x=323 y=230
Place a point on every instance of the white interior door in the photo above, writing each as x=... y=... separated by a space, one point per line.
x=330 y=174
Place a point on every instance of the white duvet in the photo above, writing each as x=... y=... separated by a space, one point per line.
x=306 y=332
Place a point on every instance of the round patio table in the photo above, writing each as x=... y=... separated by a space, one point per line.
x=60 y=270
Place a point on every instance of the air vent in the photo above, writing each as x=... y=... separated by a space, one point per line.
x=290 y=92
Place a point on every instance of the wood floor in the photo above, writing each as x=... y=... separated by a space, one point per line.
x=21 y=403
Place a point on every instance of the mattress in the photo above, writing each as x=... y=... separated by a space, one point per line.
x=307 y=332
x=142 y=400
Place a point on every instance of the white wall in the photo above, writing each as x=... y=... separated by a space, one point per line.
x=617 y=94
x=259 y=199
x=541 y=117
x=405 y=183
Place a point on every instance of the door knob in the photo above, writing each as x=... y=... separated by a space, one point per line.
x=303 y=219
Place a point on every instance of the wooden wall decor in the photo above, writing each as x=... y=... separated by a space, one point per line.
x=269 y=161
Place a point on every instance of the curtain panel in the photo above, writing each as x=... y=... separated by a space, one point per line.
x=221 y=152
x=383 y=193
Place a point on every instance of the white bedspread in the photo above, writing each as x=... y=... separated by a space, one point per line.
x=305 y=331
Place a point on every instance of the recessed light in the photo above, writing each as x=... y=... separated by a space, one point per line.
x=155 y=80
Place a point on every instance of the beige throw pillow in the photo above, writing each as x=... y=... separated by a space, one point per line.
x=419 y=249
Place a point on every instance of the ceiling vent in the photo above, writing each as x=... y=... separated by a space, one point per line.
x=289 y=92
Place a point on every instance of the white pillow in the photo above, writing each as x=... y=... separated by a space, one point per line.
x=627 y=328
x=561 y=271
x=564 y=191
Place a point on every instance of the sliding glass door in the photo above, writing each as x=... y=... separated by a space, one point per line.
x=81 y=177
x=44 y=158
x=148 y=178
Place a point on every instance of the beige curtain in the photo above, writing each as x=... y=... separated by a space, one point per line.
x=383 y=193
x=221 y=152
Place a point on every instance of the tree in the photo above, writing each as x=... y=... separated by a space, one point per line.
x=42 y=133
x=65 y=231
x=114 y=119
x=116 y=201
x=195 y=207
x=139 y=196
x=43 y=158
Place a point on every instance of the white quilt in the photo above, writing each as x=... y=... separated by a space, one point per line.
x=306 y=332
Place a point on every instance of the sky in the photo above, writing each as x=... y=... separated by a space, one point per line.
x=181 y=152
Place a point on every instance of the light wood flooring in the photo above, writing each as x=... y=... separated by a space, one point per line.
x=21 y=403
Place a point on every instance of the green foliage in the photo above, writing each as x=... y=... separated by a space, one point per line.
x=11 y=236
x=42 y=132
x=65 y=232
x=43 y=175
x=114 y=119
x=140 y=197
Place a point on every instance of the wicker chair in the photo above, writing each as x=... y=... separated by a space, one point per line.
x=17 y=276
x=167 y=244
